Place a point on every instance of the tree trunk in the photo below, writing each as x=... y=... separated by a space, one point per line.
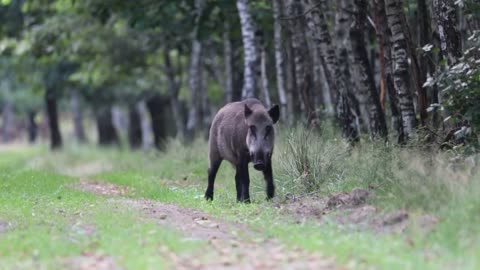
x=417 y=77
x=279 y=57
x=55 y=136
x=195 y=76
x=156 y=106
x=205 y=109
x=32 y=127
x=316 y=69
x=383 y=39
x=345 y=62
x=264 y=76
x=174 y=83
x=326 y=84
x=300 y=54
x=401 y=73
x=107 y=134
x=318 y=29
x=228 y=62
x=366 y=92
x=426 y=65
x=237 y=70
x=134 y=127
x=424 y=31
x=446 y=19
x=251 y=72
x=78 y=128
x=146 y=125
x=7 y=123
x=292 y=108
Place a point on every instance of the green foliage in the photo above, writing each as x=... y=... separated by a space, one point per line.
x=116 y=46
x=21 y=84
x=460 y=85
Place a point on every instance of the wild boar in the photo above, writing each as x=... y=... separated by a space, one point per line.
x=243 y=132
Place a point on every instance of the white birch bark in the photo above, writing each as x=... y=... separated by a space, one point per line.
x=252 y=71
x=146 y=125
x=228 y=62
x=365 y=91
x=279 y=57
x=194 y=80
x=401 y=72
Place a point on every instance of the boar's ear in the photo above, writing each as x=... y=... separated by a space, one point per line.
x=274 y=113
x=247 y=111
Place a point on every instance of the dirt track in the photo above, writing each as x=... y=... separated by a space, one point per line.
x=235 y=246
x=228 y=245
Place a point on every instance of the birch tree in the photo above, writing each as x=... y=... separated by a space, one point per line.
x=77 y=116
x=366 y=92
x=279 y=57
x=263 y=71
x=251 y=73
x=300 y=54
x=194 y=75
x=228 y=62
x=318 y=30
x=401 y=73
x=446 y=20
x=386 y=65
x=174 y=79
x=7 y=121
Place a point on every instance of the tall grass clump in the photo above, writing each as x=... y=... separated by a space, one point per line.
x=310 y=161
x=307 y=160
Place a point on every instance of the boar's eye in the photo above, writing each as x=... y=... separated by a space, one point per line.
x=268 y=130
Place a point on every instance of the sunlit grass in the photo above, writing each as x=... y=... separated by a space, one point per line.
x=400 y=177
x=43 y=213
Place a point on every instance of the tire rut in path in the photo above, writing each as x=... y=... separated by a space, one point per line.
x=228 y=245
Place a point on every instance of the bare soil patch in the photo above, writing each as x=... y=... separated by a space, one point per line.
x=350 y=210
x=192 y=223
x=227 y=245
x=4 y=226
x=101 y=188
x=83 y=229
x=87 y=169
x=88 y=261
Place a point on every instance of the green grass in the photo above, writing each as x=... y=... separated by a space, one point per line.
x=402 y=178
x=44 y=212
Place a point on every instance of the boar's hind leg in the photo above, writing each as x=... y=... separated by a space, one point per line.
x=212 y=173
x=267 y=174
x=242 y=182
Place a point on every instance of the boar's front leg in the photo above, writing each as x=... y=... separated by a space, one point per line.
x=267 y=174
x=212 y=173
x=242 y=181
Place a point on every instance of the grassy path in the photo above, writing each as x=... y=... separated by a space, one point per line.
x=90 y=209
x=53 y=221
x=225 y=245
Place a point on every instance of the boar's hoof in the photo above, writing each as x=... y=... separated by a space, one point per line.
x=209 y=196
x=244 y=200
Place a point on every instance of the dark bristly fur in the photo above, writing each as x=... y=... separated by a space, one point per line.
x=243 y=132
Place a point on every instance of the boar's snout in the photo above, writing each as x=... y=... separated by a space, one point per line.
x=258 y=160
x=260 y=166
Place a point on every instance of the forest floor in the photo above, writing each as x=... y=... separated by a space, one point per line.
x=111 y=209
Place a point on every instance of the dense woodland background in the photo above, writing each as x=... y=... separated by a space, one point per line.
x=392 y=70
